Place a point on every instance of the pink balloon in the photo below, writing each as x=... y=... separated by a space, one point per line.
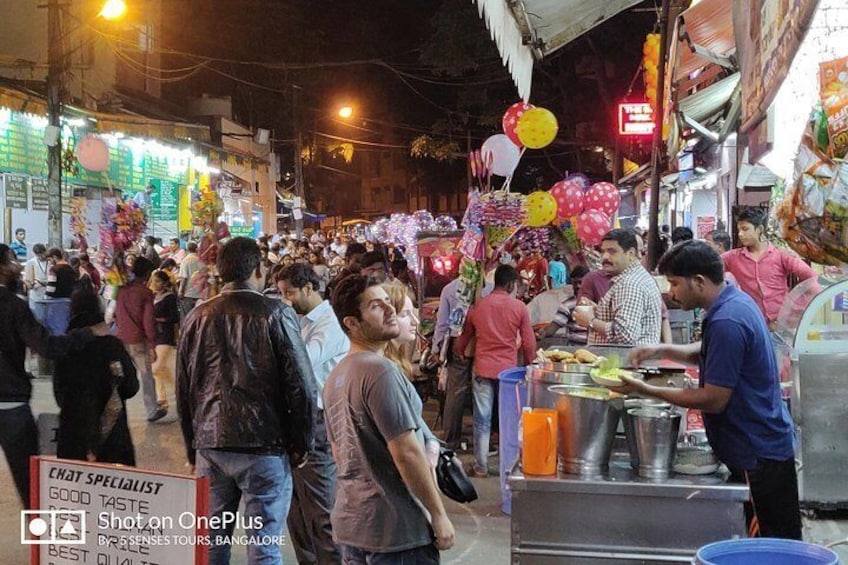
x=603 y=196
x=93 y=154
x=569 y=197
x=592 y=226
x=510 y=120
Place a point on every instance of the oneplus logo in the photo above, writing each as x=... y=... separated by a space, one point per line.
x=59 y=527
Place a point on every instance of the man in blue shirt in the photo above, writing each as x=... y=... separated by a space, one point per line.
x=19 y=246
x=556 y=272
x=747 y=423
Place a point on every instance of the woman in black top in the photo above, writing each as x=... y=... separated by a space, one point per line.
x=167 y=316
x=91 y=386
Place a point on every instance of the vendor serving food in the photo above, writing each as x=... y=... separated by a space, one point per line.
x=747 y=423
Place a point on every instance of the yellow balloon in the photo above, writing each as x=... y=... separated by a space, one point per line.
x=537 y=128
x=541 y=209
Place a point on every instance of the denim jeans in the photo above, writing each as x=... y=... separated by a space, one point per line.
x=265 y=484
x=19 y=440
x=139 y=354
x=484 y=399
x=425 y=555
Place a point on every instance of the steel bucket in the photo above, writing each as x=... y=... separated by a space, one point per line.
x=627 y=421
x=587 y=419
x=655 y=434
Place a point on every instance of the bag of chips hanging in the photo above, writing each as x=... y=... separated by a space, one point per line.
x=833 y=90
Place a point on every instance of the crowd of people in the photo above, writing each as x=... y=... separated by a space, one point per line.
x=292 y=370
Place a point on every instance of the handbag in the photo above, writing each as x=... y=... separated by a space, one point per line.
x=451 y=478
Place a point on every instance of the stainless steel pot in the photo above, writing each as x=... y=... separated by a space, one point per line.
x=587 y=419
x=539 y=380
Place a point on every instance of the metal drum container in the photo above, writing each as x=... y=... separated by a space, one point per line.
x=587 y=420
x=539 y=380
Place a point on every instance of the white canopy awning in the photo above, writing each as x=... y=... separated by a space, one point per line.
x=525 y=30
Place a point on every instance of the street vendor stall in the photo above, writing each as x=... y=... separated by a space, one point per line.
x=813 y=352
x=621 y=518
x=632 y=483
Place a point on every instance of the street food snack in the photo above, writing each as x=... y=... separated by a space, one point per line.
x=585 y=356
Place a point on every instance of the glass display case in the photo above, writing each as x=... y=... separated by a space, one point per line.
x=812 y=350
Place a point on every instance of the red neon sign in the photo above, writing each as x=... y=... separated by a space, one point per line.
x=635 y=118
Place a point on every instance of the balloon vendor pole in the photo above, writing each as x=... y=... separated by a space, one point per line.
x=508 y=180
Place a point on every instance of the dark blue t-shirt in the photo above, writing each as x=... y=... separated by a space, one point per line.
x=737 y=353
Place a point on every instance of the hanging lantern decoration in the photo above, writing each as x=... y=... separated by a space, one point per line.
x=510 y=121
x=650 y=64
x=603 y=196
x=93 y=154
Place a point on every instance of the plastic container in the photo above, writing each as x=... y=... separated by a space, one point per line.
x=539 y=441
x=512 y=398
x=765 y=551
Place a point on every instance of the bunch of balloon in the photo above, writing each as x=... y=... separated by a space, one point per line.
x=650 y=62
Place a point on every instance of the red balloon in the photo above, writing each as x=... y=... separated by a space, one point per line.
x=592 y=226
x=603 y=196
x=510 y=120
x=569 y=197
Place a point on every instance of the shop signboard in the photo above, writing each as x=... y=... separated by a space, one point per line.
x=16 y=188
x=635 y=118
x=165 y=199
x=241 y=231
x=705 y=225
x=131 y=162
x=94 y=513
x=768 y=34
x=38 y=189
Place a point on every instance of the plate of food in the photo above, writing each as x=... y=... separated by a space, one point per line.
x=609 y=372
x=561 y=360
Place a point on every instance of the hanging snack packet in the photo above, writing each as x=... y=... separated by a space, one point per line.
x=833 y=89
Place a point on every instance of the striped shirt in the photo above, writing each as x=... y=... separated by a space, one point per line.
x=632 y=310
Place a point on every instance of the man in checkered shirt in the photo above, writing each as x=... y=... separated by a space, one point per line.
x=631 y=312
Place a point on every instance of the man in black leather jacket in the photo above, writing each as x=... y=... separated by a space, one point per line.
x=19 y=330
x=246 y=398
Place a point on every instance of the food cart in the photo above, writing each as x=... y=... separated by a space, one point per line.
x=617 y=516
x=812 y=353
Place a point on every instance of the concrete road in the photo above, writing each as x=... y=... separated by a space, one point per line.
x=483 y=532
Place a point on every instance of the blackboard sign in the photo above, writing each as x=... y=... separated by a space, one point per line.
x=17 y=191
x=39 y=193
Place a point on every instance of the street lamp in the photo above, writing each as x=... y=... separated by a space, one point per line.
x=345 y=112
x=112 y=9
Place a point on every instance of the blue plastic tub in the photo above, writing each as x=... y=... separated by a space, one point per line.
x=512 y=397
x=765 y=551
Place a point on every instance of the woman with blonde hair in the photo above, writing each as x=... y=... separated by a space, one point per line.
x=400 y=351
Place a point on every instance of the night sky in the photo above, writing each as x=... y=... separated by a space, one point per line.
x=408 y=68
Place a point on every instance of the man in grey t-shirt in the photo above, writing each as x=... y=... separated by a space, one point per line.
x=384 y=483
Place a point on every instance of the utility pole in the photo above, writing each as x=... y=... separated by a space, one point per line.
x=657 y=150
x=55 y=88
x=298 y=163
